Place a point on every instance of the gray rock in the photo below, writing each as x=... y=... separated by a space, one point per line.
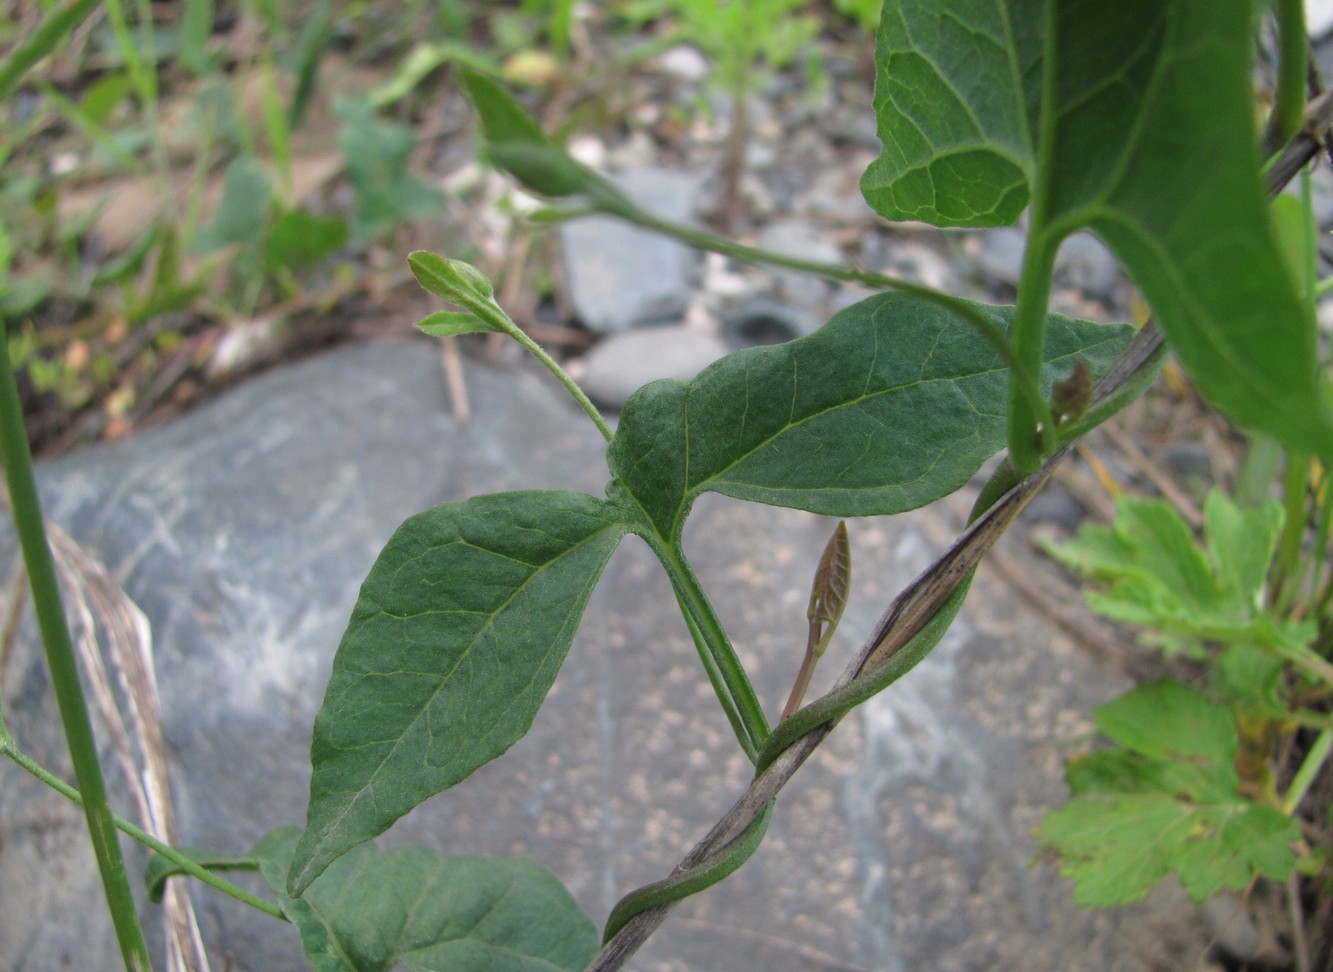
x=1190 y=461
x=1085 y=264
x=851 y=123
x=244 y=530
x=1000 y=254
x=620 y=276
x=1230 y=923
x=1055 y=504
x=1319 y=17
x=765 y=320
x=619 y=365
x=920 y=263
x=800 y=239
x=835 y=192
x=684 y=62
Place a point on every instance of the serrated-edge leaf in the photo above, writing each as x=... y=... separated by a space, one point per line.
x=457 y=635
x=890 y=405
x=1160 y=579
x=1117 y=846
x=1169 y=721
x=414 y=908
x=1240 y=545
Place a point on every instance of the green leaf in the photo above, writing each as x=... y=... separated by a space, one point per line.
x=1166 y=799
x=1117 y=846
x=423 y=60
x=956 y=95
x=450 y=323
x=890 y=405
x=1168 y=722
x=301 y=239
x=463 y=284
x=104 y=96
x=1135 y=121
x=196 y=29
x=455 y=639
x=1158 y=578
x=378 y=153
x=1252 y=676
x=517 y=144
x=452 y=280
x=241 y=213
x=414 y=909
x=1240 y=544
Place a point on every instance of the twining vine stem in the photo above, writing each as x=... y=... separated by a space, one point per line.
x=914 y=607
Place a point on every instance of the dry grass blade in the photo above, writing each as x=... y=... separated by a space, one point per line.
x=98 y=603
x=101 y=613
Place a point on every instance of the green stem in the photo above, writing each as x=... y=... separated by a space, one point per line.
x=1310 y=767
x=1321 y=583
x=607 y=199
x=1254 y=482
x=740 y=695
x=480 y=301
x=58 y=22
x=536 y=350
x=64 y=670
x=1031 y=434
x=715 y=677
x=1309 y=243
x=1284 y=122
x=142 y=836
x=1286 y=566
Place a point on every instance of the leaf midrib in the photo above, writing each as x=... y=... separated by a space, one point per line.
x=370 y=780
x=693 y=490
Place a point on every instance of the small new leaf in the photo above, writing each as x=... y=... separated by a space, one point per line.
x=833 y=580
x=1070 y=398
x=449 y=323
x=452 y=280
x=462 y=284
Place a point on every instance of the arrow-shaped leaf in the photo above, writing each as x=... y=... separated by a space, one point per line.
x=1135 y=120
x=414 y=909
x=890 y=405
x=458 y=634
x=957 y=89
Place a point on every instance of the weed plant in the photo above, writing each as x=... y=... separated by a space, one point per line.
x=1132 y=120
